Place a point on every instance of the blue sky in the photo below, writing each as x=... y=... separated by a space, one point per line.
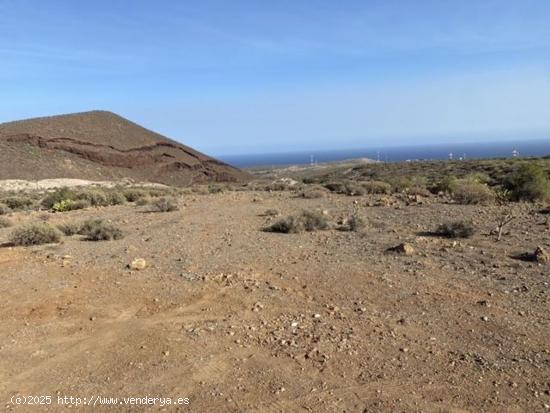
x=258 y=76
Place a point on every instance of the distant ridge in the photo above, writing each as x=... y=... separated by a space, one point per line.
x=101 y=145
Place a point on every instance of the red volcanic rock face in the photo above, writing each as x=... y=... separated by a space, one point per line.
x=103 y=145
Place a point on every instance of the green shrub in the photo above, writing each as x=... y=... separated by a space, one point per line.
x=58 y=195
x=471 y=192
x=4 y=222
x=306 y=221
x=35 y=234
x=98 y=230
x=530 y=182
x=18 y=203
x=164 y=204
x=456 y=229
x=70 y=205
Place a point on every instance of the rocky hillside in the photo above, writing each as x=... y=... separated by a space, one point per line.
x=102 y=146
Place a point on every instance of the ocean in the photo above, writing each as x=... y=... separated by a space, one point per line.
x=397 y=154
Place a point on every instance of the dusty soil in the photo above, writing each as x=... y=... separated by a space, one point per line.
x=48 y=184
x=237 y=319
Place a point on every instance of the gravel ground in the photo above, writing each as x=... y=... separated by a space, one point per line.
x=238 y=319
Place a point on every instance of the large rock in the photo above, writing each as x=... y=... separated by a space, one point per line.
x=404 y=248
x=540 y=255
x=138 y=264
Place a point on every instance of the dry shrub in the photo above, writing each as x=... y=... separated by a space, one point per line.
x=115 y=197
x=143 y=201
x=18 y=203
x=306 y=221
x=472 y=192
x=312 y=193
x=354 y=223
x=346 y=188
x=377 y=187
x=456 y=229
x=418 y=190
x=35 y=234
x=4 y=222
x=98 y=230
x=164 y=204
x=69 y=229
x=4 y=209
x=134 y=194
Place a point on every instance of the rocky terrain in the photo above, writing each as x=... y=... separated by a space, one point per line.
x=201 y=302
x=102 y=146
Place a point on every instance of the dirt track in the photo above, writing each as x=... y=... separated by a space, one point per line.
x=240 y=320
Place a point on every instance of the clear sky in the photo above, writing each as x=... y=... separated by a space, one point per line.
x=258 y=76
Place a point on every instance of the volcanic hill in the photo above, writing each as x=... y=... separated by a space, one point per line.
x=101 y=145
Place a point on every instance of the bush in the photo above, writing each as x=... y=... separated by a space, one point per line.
x=96 y=197
x=98 y=230
x=18 y=202
x=456 y=229
x=143 y=201
x=4 y=222
x=338 y=187
x=418 y=190
x=70 y=205
x=115 y=198
x=377 y=187
x=4 y=209
x=353 y=223
x=215 y=189
x=277 y=186
x=306 y=221
x=530 y=182
x=61 y=194
x=312 y=194
x=69 y=229
x=164 y=204
x=346 y=188
x=35 y=234
x=134 y=194
x=471 y=192
x=158 y=192
x=407 y=183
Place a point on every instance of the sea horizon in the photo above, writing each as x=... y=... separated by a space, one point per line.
x=443 y=151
